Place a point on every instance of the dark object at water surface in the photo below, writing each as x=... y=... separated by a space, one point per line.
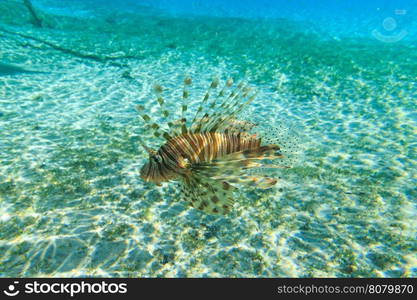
x=35 y=18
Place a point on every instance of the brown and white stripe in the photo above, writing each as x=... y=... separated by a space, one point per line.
x=205 y=147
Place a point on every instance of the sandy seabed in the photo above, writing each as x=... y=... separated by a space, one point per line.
x=71 y=201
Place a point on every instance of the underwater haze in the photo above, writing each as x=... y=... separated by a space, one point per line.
x=340 y=74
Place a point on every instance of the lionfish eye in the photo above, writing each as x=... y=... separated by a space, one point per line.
x=156 y=158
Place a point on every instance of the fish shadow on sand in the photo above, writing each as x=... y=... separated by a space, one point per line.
x=9 y=69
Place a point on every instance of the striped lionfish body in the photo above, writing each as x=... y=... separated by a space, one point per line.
x=212 y=155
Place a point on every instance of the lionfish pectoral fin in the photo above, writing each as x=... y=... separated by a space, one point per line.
x=233 y=168
x=236 y=163
x=207 y=195
x=255 y=181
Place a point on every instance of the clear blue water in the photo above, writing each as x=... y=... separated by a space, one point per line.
x=340 y=74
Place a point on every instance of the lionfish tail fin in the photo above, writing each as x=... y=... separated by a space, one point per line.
x=287 y=139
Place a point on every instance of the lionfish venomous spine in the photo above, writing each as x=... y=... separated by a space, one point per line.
x=211 y=155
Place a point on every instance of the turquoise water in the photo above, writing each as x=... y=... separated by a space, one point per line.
x=342 y=76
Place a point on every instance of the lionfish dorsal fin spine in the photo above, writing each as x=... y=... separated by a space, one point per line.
x=158 y=92
x=220 y=94
x=230 y=101
x=184 y=106
x=198 y=124
x=150 y=124
x=185 y=94
x=230 y=115
x=213 y=85
x=173 y=127
x=229 y=108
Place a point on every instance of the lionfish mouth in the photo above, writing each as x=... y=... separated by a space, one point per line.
x=211 y=154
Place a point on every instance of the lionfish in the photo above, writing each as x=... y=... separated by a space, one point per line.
x=212 y=155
